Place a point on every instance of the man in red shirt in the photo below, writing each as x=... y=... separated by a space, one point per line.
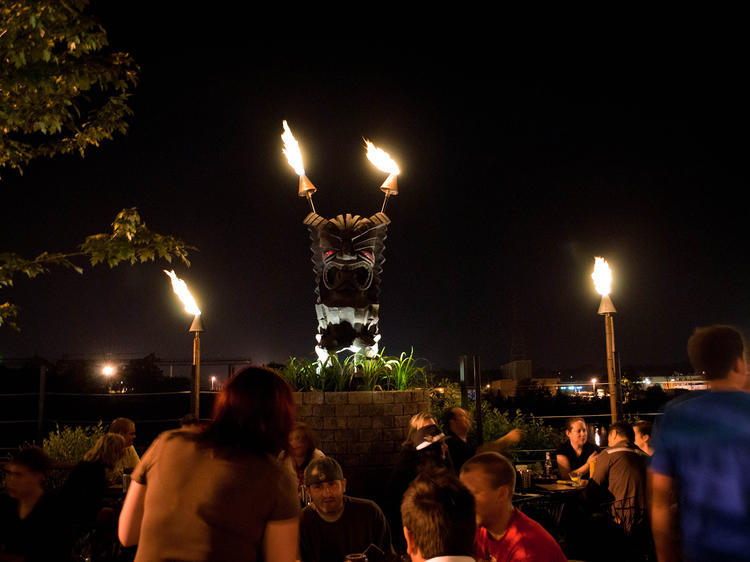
x=504 y=534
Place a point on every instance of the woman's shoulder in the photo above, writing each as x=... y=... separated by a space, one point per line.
x=563 y=448
x=317 y=453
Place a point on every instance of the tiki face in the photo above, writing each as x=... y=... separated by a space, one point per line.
x=348 y=258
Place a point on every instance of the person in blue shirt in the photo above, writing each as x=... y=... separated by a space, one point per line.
x=698 y=476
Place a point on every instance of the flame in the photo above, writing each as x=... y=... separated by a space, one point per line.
x=180 y=289
x=291 y=150
x=381 y=159
x=602 y=276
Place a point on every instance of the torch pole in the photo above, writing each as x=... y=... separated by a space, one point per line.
x=309 y=200
x=385 y=201
x=197 y=328
x=609 y=328
x=607 y=309
x=197 y=374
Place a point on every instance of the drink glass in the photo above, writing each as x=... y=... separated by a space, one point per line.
x=576 y=478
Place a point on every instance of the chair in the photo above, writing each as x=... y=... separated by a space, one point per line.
x=623 y=526
x=547 y=511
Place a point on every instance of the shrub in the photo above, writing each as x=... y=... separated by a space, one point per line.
x=69 y=444
x=381 y=372
x=495 y=423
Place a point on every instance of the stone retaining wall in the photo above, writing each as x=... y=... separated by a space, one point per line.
x=362 y=430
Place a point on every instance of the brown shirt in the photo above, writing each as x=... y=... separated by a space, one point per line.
x=200 y=507
x=621 y=470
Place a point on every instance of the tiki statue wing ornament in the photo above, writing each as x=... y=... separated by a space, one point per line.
x=348 y=261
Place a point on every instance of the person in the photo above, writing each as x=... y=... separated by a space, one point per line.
x=458 y=421
x=575 y=454
x=620 y=471
x=335 y=524
x=32 y=524
x=439 y=521
x=86 y=486
x=504 y=533
x=702 y=458
x=426 y=451
x=126 y=428
x=299 y=451
x=219 y=494
x=642 y=430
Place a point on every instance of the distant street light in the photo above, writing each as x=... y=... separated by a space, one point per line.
x=593 y=384
x=602 y=277
x=191 y=307
x=213 y=383
x=108 y=371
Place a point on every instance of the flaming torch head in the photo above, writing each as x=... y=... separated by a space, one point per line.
x=602 y=277
x=383 y=161
x=181 y=290
x=294 y=157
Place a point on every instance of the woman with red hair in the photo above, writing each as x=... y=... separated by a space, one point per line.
x=219 y=494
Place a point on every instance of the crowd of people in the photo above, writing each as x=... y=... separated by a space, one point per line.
x=252 y=485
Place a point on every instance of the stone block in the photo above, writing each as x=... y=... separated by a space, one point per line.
x=298 y=397
x=336 y=398
x=303 y=411
x=361 y=397
x=393 y=409
x=334 y=448
x=334 y=422
x=403 y=397
x=402 y=421
x=381 y=447
x=372 y=409
x=359 y=422
x=383 y=397
x=347 y=460
x=347 y=410
x=344 y=434
x=324 y=410
x=370 y=434
x=382 y=422
x=360 y=448
x=313 y=397
x=315 y=422
x=395 y=434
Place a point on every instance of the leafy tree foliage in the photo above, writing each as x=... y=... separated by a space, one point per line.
x=60 y=90
x=130 y=241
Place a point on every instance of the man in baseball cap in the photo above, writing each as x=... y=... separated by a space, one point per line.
x=335 y=524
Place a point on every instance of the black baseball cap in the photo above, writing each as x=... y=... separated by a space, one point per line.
x=323 y=469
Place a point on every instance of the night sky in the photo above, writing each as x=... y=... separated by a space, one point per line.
x=515 y=175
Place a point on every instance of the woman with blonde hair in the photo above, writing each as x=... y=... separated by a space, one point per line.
x=108 y=450
x=86 y=487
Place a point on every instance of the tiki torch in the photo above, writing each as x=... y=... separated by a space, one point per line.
x=294 y=157
x=191 y=307
x=602 y=277
x=383 y=162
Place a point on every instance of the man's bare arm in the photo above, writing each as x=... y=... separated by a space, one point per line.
x=661 y=496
